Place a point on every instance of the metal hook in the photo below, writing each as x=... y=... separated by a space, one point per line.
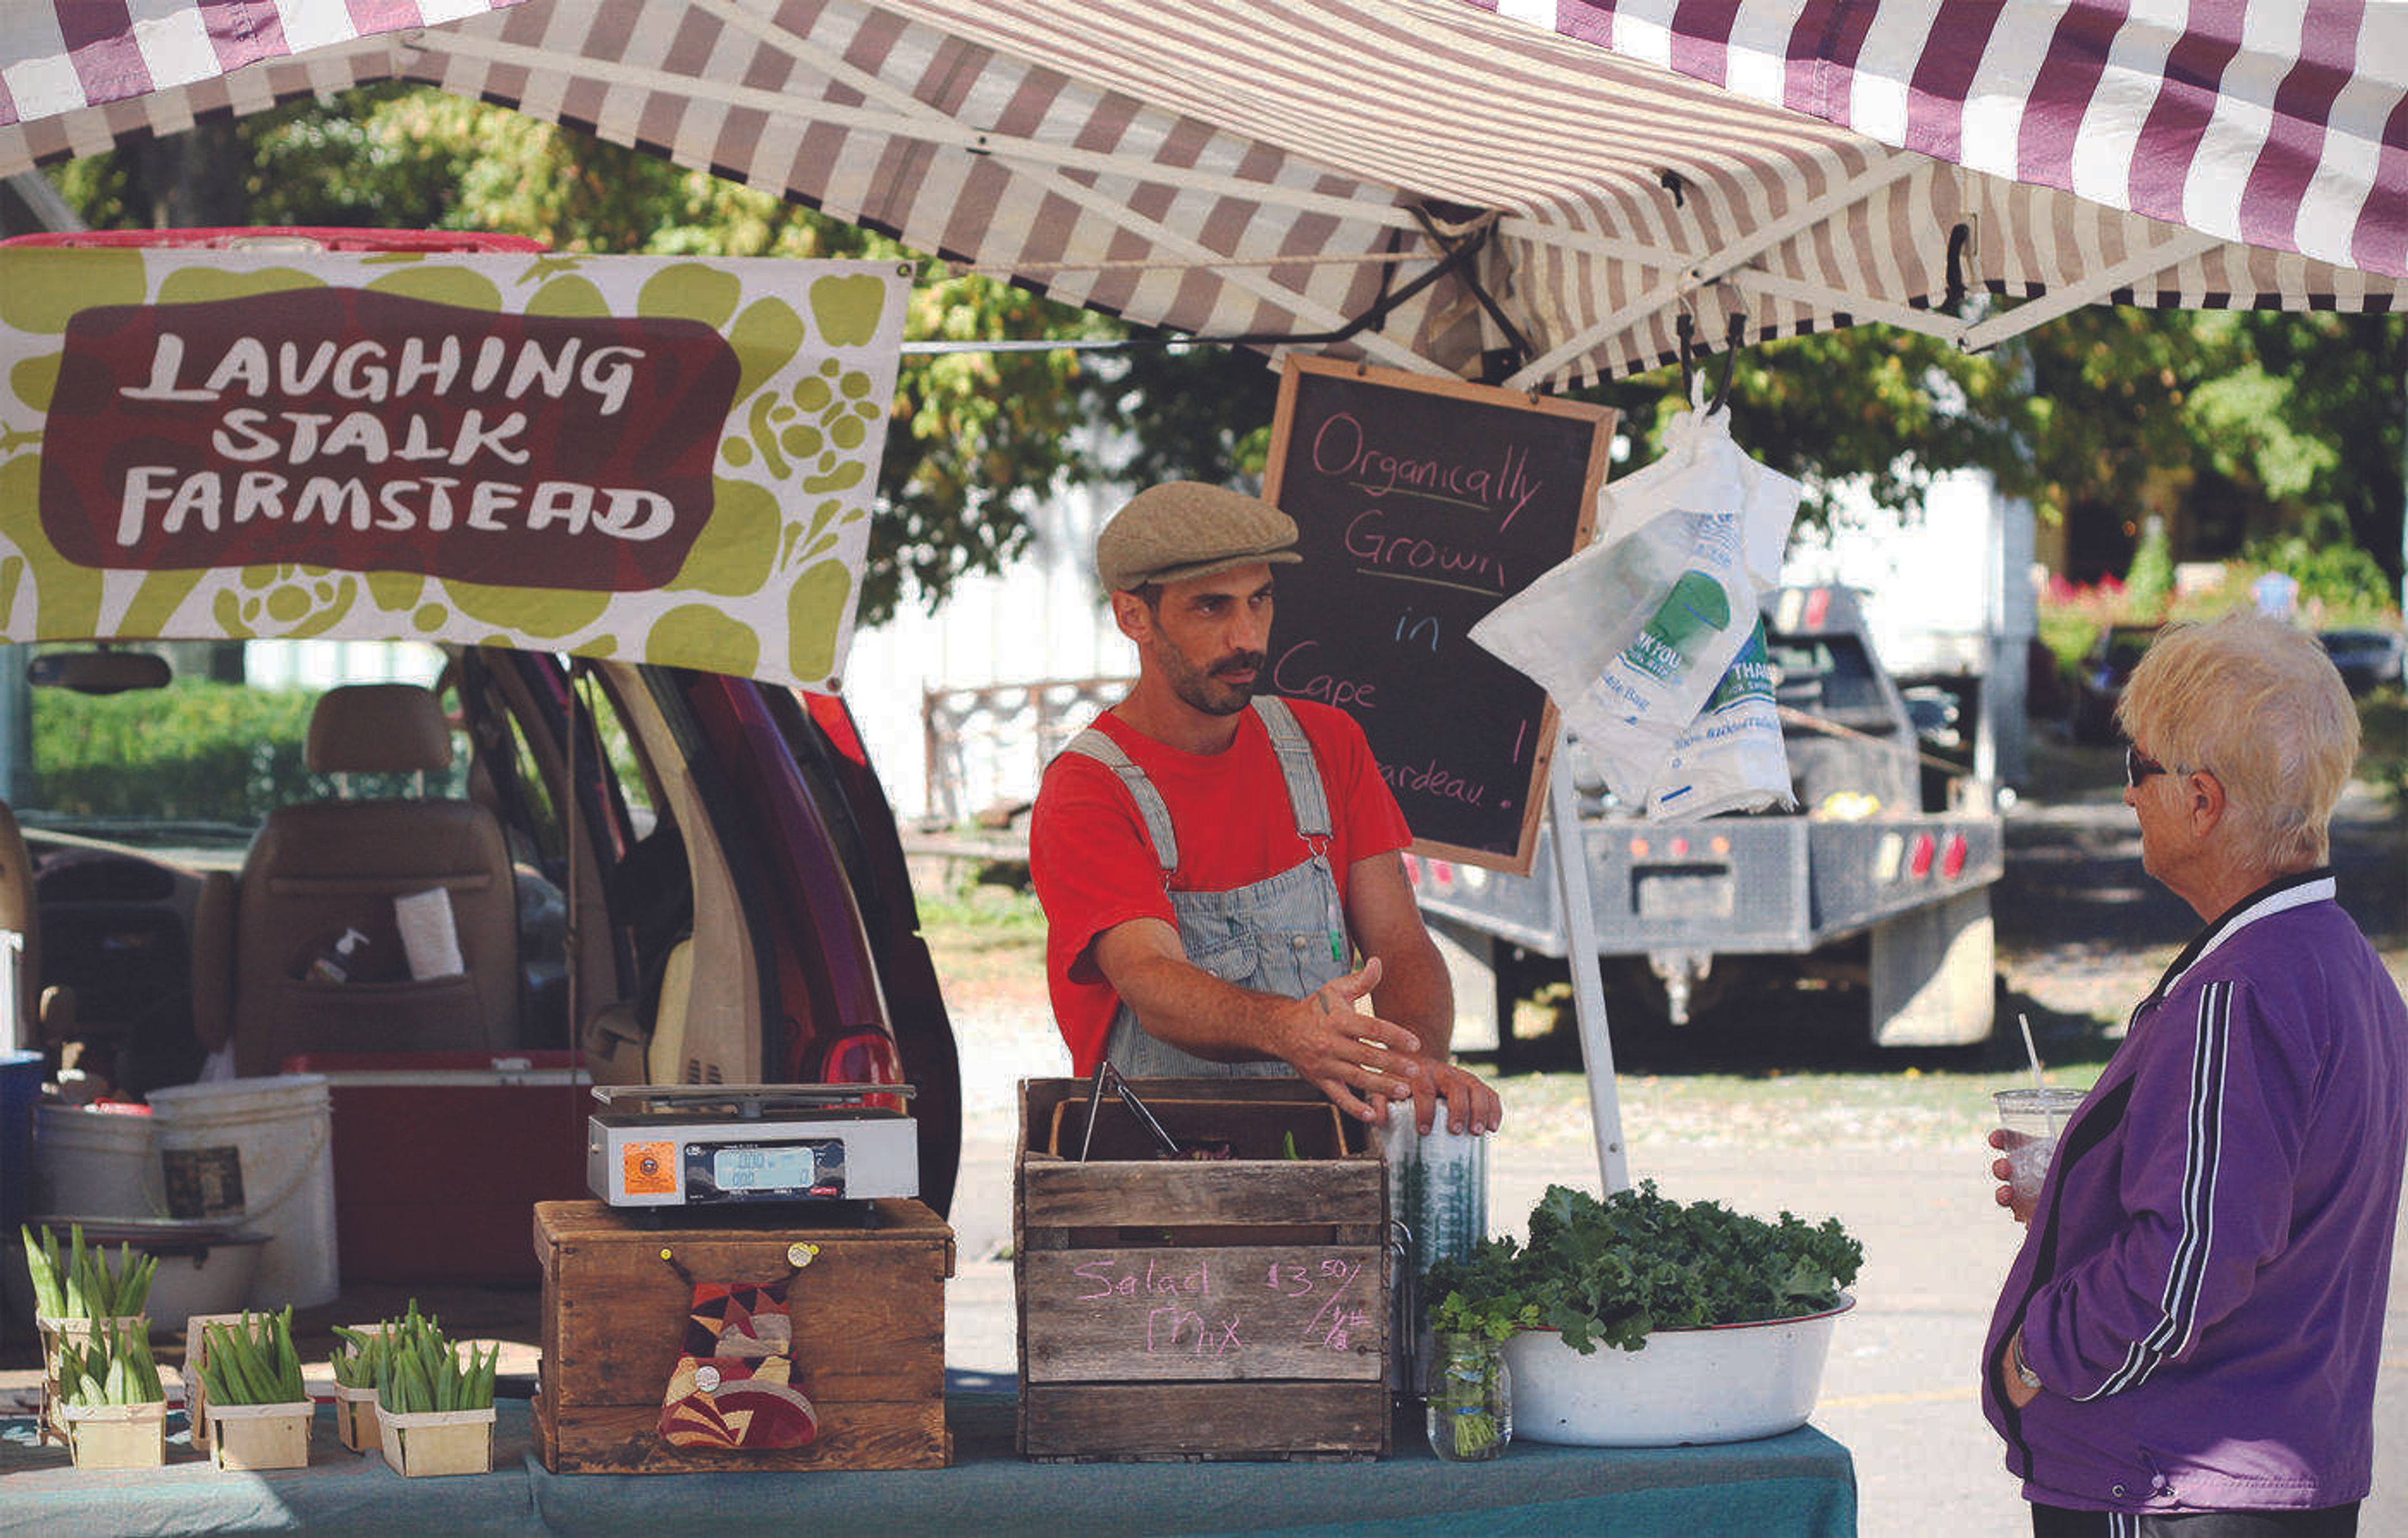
x=1735 y=333
x=1685 y=329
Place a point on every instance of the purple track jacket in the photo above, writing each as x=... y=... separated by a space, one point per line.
x=2201 y=1288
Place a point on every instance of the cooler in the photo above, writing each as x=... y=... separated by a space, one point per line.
x=440 y=1156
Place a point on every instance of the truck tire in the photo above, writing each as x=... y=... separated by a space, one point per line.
x=1934 y=974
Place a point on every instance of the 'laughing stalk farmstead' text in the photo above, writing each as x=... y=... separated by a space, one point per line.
x=359 y=430
x=360 y=372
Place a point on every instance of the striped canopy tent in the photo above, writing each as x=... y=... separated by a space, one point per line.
x=1536 y=194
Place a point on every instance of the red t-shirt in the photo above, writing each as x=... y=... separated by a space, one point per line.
x=1094 y=866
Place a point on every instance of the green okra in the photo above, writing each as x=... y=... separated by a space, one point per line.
x=418 y=1370
x=112 y=1367
x=254 y=1361
x=42 y=1265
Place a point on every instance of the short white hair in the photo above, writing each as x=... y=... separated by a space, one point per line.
x=2261 y=707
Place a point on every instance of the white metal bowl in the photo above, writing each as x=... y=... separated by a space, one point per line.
x=1728 y=1383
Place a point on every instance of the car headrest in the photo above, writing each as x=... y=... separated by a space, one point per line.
x=378 y=728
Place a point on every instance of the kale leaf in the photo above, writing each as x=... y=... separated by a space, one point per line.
x=1616 y=1268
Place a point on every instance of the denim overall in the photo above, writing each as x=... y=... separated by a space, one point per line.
x=1284 y=935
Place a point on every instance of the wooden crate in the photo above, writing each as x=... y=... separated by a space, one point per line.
x=868 y=1311
x=1200 y=1310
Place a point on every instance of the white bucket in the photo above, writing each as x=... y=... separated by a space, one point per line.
x=260 y=1149
x=92 y=1164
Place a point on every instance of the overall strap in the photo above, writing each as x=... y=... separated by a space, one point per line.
x=1103 y=750
x=1296 y=767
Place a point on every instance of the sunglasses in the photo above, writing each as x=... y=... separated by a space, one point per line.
x=2139 y=765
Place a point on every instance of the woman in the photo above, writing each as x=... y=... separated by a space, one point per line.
x=2187 y=1342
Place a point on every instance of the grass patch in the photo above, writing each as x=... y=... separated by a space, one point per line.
x=1907 y=1109
x=1009 y=910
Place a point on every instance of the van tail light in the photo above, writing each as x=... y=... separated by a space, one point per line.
x=866 y=1057
x=1952 y=857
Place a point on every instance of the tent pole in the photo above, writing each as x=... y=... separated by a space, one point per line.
x=1588 y=984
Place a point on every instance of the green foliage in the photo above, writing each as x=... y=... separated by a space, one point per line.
x=1011 y=910
x=975 y=441
x=1490 y=1315
x=2149 y=585
x=2383 y=750
x=2235 y=426
x=196 y=751
x=1613 y=1270
x=2069 y=627
x=1891 y=407
x=2337 y=580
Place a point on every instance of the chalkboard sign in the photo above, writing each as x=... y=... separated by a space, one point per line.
x=1421 y=504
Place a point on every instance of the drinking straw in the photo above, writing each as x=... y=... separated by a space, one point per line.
x=2038 y=1082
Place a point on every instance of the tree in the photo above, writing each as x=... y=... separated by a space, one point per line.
x=2239 y=428
x=976 y=440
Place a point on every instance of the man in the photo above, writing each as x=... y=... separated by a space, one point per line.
x=2186 y=1344
x=1211 y=862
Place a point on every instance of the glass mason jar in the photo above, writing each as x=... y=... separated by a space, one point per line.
x=1471 y=1398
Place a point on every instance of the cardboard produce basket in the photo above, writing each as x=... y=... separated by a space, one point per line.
x=117 y=1436
x=1201 y=1309
x=196 y=1392
x=260 y=1436
x=436 y=1442
x=56 y=1335
x=355 y=1406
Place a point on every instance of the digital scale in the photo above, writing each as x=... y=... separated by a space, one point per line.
x=697 y=1146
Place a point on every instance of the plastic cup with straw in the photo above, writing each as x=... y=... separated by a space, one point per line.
x=2028 y=1160
x=2031 y=1051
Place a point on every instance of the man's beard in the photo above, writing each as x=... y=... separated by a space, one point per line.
x=1207 y=689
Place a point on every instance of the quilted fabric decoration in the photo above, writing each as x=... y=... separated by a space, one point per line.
x=733 y=1387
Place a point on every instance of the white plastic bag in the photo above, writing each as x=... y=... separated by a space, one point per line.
x=1731 y=757
x=1632 y=636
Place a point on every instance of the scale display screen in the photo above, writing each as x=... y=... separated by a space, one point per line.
x=786 y=1169
x=764 y=1171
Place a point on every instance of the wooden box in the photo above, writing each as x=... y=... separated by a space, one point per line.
x=868 y=1313
x=1201 y=1309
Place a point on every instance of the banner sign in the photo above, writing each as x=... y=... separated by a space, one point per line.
x=664 y=459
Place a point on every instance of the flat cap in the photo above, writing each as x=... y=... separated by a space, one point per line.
x=1188 y=528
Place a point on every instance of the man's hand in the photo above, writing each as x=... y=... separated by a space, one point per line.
x=1360 y=1061
x=1472 y=1106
